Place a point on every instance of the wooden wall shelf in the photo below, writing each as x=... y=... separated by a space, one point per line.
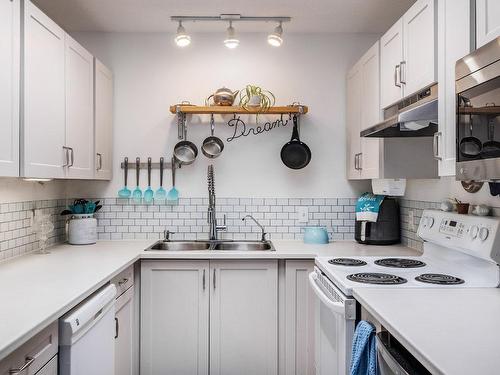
x=222 y=110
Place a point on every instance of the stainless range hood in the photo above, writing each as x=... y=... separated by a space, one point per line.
x=413 y=116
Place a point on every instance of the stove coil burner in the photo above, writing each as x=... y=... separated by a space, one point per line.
x=347 y=262
x=400 y=263
x=376 y=278
x=437 y=278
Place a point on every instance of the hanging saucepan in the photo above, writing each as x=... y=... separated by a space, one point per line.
x=470 y=147
x=295 y=154
x=212 y=146
x=184 y=151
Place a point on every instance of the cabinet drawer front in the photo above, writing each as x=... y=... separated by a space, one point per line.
x=50 y=368
x=38 y=350
x=123 y=280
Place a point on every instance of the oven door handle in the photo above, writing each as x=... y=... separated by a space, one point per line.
x=337 y=307
x=389 y=360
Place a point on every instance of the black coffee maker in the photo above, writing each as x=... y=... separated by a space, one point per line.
x=387 y=229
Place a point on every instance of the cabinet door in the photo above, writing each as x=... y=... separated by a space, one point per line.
x=391 y=56
x=174 y=317
x=124 y=319
x=353 y=122
x=299 y=318
x=244 y=317
x=103 y=105
x=454 y=40
x=10 y=29
x=50 y=368
x=419 y=31
x=44 y=101
x=369 y=160
x=79 y=110
x=487 y=21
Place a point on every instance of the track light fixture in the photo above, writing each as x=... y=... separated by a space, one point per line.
x=182 y=39
x=231 y=40
x=275 y=39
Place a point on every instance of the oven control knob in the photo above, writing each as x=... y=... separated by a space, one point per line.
x=483 y=233
x=473 y=232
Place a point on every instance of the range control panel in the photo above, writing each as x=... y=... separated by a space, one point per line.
x=475 y=235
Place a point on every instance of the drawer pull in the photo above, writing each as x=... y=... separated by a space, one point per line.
x=122 y=281
x=29 y=361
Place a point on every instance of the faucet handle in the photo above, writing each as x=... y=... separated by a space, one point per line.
x=263 y=239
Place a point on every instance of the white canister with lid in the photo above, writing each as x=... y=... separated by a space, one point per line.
x=82 y=229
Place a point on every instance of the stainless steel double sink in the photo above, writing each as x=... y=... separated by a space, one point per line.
x=198 y=245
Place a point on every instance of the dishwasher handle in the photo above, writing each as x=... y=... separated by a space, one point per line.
x=337 y=307
x=389 y=359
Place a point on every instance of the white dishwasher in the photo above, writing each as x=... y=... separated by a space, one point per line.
x=86 y=336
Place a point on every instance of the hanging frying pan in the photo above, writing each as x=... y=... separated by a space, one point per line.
x=295 y=154
x=470 y=147
x=491 y=148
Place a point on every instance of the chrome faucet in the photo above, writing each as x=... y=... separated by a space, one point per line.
x=212 y=220
x=263 y=238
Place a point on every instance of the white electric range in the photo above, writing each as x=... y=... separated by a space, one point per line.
x=459 y=251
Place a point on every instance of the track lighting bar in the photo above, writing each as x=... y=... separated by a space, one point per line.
x=229 y=17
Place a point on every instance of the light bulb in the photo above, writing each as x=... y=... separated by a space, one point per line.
x=182 y=39
x=231 y=40
x=275 y=39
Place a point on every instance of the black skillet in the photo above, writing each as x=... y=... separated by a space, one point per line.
x=295 y=154
x=470 y=147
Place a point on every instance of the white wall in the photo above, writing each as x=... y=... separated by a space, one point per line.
x=151 y=73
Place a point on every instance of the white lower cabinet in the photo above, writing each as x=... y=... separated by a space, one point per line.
x=236 y=301
x=299 y=319
x=244 y=317
x=174 y=317
x=124 y=321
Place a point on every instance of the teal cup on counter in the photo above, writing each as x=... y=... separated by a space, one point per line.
x=315 y=235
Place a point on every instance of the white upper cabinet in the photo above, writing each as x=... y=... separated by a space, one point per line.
x=408 y=53
x=418 y=69
x=10 y=29
x=44 y=98
x=353 y=122
x=391 y=56
x=79 y=110
x=103 y=106
x=363 y=111
x=454 y=41
x=487 y=21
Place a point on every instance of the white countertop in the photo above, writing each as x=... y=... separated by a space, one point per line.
x=37 y=289
x=450 y=331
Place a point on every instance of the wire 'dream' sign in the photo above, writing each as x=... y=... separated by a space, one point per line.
x=240 y=128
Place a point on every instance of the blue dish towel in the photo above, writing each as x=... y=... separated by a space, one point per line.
x=364 y=351
x=368 y=206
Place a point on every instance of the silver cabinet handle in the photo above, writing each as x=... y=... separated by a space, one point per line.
x=397 y=75
x=360 y=165
x=72 y=157
x=214 y=279
x=203 y=279
x=122 y=281
x=27 y=363
x=435 y=145
x=99 y=161
x=117 y=327
x=402 y=64
x=66 y=149
x=356 y=162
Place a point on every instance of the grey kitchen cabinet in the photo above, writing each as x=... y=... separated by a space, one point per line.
x=182 y=301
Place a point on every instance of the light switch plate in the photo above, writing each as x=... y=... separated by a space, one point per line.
x=302 y=214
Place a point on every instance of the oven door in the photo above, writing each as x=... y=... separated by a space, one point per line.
x=334 y=326
x=478 y=124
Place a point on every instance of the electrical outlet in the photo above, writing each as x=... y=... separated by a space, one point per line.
x=302 y=214
x=411 y=220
